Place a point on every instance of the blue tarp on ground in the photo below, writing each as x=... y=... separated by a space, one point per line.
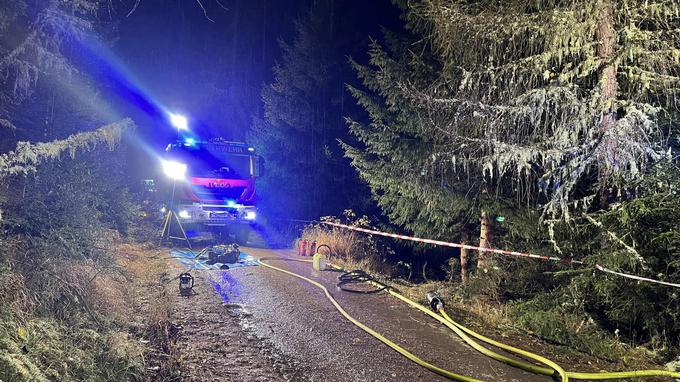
x=187 y=259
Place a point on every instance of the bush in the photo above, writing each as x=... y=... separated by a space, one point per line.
x=550 y=316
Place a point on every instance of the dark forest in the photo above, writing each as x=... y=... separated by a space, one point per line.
x=512 y=163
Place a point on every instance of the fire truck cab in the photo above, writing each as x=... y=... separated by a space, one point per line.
x=213 y=186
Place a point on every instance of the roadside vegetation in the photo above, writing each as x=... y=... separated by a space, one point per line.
x=80 y=299
x=67 y=301
x=64 y=309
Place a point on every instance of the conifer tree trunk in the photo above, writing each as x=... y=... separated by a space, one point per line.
x=483 y=260
x=606 y=36
x=464 y=257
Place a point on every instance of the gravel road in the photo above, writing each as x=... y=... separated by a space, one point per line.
x=290 y=331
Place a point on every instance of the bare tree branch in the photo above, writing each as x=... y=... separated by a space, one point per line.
x=134 y=7
x=221 y=5
x=205 y=12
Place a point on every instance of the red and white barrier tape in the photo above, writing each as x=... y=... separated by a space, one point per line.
x=603 y=269
x=498 y=251
x=455 y=245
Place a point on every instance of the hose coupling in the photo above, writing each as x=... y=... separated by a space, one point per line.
x=435 y=302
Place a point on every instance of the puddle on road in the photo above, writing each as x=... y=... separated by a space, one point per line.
x=230 y=289
x=244 y=316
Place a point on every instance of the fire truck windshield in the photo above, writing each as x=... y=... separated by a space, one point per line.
x=231 y=167
x=211 y=164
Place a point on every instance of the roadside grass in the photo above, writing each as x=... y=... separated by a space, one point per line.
x=349 y=249
x=152 y=292
x=96 y=321
x=541 y=322
x=75 y=329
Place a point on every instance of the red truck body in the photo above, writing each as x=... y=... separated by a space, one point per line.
x=218 y=187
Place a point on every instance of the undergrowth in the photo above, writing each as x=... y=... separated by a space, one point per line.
x=78 y=333
x=354 y=250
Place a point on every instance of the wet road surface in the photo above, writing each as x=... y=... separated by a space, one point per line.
x=295 y=319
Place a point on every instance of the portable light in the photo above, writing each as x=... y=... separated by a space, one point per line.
x=179 y=121
x=173 y=169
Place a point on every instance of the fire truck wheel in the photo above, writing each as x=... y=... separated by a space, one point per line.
x=221 y=234
x=241 y=235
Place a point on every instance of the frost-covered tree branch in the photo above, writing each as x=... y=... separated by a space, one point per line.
x=575 y=90
x=27 y=156
x=6 y=124
x=39 y=50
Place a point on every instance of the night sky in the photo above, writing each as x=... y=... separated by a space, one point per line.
x=214 y=71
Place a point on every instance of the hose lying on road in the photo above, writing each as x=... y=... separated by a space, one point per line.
x=359 y=277
x=465 y=334
x=386 y=341
x=571 y=374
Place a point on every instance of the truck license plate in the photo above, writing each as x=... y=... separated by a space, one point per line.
x=220 y=215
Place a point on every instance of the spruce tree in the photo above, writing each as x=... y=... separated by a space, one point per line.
x=393 y=156
x=44 y=92
x=552 y=108
x=576 y=97
x=552 y=104
x=38 y=31
x=306 y=173
x=401 y=148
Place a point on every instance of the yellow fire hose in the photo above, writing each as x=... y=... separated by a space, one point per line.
x=570 y=374
x=499 y=357
x=372 y=332
x=465 y=333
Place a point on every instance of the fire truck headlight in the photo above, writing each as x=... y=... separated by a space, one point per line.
x=174 y=170
x=250 y=215
x=184 y=214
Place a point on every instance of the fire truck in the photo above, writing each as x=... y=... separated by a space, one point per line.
x=213 y=186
